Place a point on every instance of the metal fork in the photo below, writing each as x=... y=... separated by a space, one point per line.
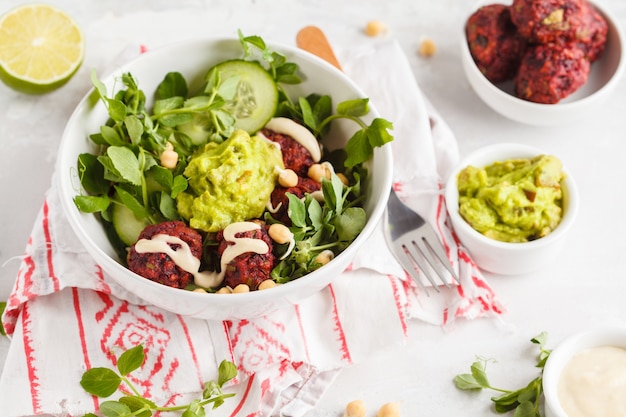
x=415 y=244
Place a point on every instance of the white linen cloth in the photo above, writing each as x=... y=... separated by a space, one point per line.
x=65 y=315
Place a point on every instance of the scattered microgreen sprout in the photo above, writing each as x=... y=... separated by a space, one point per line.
x=104 y=382
x=3 y=306
x=525 y=400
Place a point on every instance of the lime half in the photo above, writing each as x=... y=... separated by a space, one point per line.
x=41 y=47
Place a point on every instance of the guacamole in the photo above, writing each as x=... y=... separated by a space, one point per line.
x=513 y=201
x=229 y=182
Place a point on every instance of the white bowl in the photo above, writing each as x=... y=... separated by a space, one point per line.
x=565 y=351
x=507 y=258
x=193 y=59
x=605 y=75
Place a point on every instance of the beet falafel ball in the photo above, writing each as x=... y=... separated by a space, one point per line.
x=295 y=156
x=591 y=35
x=158 y=266
x=494 y=42
x=546 y=21
x=249 y=268
x=551 y=72
x=280 y=200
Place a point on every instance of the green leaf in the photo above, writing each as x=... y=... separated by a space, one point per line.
x=466 y=382
x=296 y=210
x=98 y=85
x=130 y=360
x=226 y=372
x=179 y=185
x=126 y=163
x=167 y=206
x=110 y=136
x=308 y=117
x=117 y=109
x=167 y=104
x=135 y=404
x=195 y=409
x=350 y=223
x=91 y=174
x=358 y=149
x=134 y=127
x=378 y=132
x=315 y=212
x=3 y=306
x=479 y=373
x=132 y=203
x=101 y=382
x=92 y=204
x=174 y=84
x=114 y=409
x=526 y=409
x=355 y=108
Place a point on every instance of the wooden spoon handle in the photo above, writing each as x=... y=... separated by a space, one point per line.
x=313 y=40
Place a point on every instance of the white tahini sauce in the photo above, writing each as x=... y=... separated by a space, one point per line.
x=297 y=132
x=185 y=260
x=593 y=383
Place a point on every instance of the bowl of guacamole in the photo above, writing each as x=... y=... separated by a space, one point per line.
x=510 y=205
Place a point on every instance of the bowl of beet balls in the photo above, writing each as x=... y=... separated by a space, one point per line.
x=542 y=62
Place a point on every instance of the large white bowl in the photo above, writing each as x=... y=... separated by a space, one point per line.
x=605 y=75
x=565 y=351
x=193 y=59
x=506 y=258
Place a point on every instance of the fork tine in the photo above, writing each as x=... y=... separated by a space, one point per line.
x=431 y=239
x=409 y=267
x=417 y=255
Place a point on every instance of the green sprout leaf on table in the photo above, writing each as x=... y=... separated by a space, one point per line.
x=525 y=400
x=104 y=382
x=3 y=306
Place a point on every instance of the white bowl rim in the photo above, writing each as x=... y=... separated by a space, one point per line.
x=451 y=194
x=561 y=106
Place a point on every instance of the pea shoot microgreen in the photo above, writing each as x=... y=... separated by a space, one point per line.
x=3 y=306
x=104 y=382
x=525 y=401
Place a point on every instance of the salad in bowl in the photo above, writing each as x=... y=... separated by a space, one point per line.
x=224 y=166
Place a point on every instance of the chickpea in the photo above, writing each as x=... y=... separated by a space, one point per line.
x=267 y=284
x=427 y=48
x=280 y=233
x=287 y=178
x=224 y=290
x=343 y=178
x=324 y=257
x=355 y=408
x=241 y=288
x=199 y=290
x=375 y=28
x=169 y=157
x=389 y=410
x=317 y=172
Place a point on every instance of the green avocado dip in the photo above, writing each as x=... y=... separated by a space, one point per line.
x=229 y=182
x=518 y=200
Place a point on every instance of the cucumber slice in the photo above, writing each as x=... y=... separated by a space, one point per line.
x=126 y=225
x=255 y=96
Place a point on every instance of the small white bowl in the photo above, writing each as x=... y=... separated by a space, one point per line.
x=564 y=352
x=507 y=258
x=605 y=74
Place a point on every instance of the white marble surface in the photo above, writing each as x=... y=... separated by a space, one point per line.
x=584 y=287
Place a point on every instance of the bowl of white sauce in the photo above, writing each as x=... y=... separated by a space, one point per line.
x=585 y=375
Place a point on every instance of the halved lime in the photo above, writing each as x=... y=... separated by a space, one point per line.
x=41 y=47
